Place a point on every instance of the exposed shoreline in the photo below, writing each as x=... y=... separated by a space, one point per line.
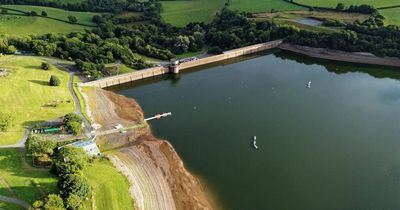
x=157 y=175
x=336 y=55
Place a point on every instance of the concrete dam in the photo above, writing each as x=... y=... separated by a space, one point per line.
x=177 y=67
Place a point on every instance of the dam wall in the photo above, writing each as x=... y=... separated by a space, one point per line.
x=156 y=71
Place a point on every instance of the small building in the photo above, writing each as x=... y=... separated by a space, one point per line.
x=89 y=146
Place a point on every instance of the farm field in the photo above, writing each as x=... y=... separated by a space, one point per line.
x=333 y=3
x=26 y=93
x=82 y=17
x=23 y=182
x=12 y=25
x=110 y=188
x=262 y=5
x=392 y=16
x=180 y=13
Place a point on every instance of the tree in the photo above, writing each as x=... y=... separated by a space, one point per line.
x=340 y=7
x=6 y=121
x=70 y=159
x=44 y=13
x=40 y=148
x=73 y=202
x=72 y=117
x=55 y=81
x=74 y=128
x=11 y=49
x=54 y=202
x=72 y=19
x=74 y=184
x=45 y=66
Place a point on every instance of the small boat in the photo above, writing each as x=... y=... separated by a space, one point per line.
x=255 y=142
x=309 y=84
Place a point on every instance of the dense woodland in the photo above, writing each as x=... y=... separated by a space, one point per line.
x=113 y=39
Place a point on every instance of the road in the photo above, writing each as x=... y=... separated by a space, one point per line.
x=17 y=201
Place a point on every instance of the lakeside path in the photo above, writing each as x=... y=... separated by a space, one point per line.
x=336 y=55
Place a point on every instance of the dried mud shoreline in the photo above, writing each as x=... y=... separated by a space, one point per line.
x=156 y=173
x=336 y=55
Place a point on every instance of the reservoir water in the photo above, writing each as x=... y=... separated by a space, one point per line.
x=334 y=146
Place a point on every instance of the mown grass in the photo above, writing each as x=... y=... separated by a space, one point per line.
x=82 y=101
x=392 y=16
x=263 y=5
x=12 y=25
x=180 y=13
x=82 y=17
x=110 y=188
x=25 y=94
x=9 y=206
x=23 y=183
x=333 y=3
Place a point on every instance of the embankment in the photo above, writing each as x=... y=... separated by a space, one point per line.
x=336 y=55
x=156 y=173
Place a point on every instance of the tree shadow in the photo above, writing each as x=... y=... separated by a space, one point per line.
x=27 y=124
x=40 y=82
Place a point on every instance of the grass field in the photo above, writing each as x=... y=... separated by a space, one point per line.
x=392 y=16
x=25 y=93
x=262 y=5
x=9 y=206
x=180 y=13
x=23 y=25
x=82 y=17
x=333 y=3
x=16 y=180
x=110 y=188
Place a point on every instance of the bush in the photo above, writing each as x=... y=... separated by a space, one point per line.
x=72 y=19
x=54 y=202
x=55 y=81
x=45 y=66
x=44 y=13
x=74 y=128
x=6 y=121
x=73 y=202
x=33 y=13
x=72 y=117
x=74 y=184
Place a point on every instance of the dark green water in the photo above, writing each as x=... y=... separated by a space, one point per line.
x=334 y=146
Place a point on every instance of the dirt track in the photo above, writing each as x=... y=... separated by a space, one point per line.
x=157 y=175
x=336 y=55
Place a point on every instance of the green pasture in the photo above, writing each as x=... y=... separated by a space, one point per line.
x=82 y=17
x=110 y=188
x=21 y=181
x=180 y=13
x=12 y=25
x=254 y=6
x=333 y=3
x=392 y=16
x=26 y=93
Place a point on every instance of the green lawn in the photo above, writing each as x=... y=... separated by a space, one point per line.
x=9 y=206
x=180 y=13
x=12 y=25
x=82 y=17
x=110 y=188
x=262 y=5
x=333 y=3
x=25 y=93
x=392 y=16
x=24 y=183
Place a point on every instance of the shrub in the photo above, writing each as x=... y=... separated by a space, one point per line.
x=55 y=81
x=6 y=121
x=45 y=66
x=54 y=202
x=74 y=128
x=44 y=13
x=72 y=117
x=73 y=202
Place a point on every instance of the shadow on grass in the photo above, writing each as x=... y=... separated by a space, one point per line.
x=40 y=82
x=27 y=124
